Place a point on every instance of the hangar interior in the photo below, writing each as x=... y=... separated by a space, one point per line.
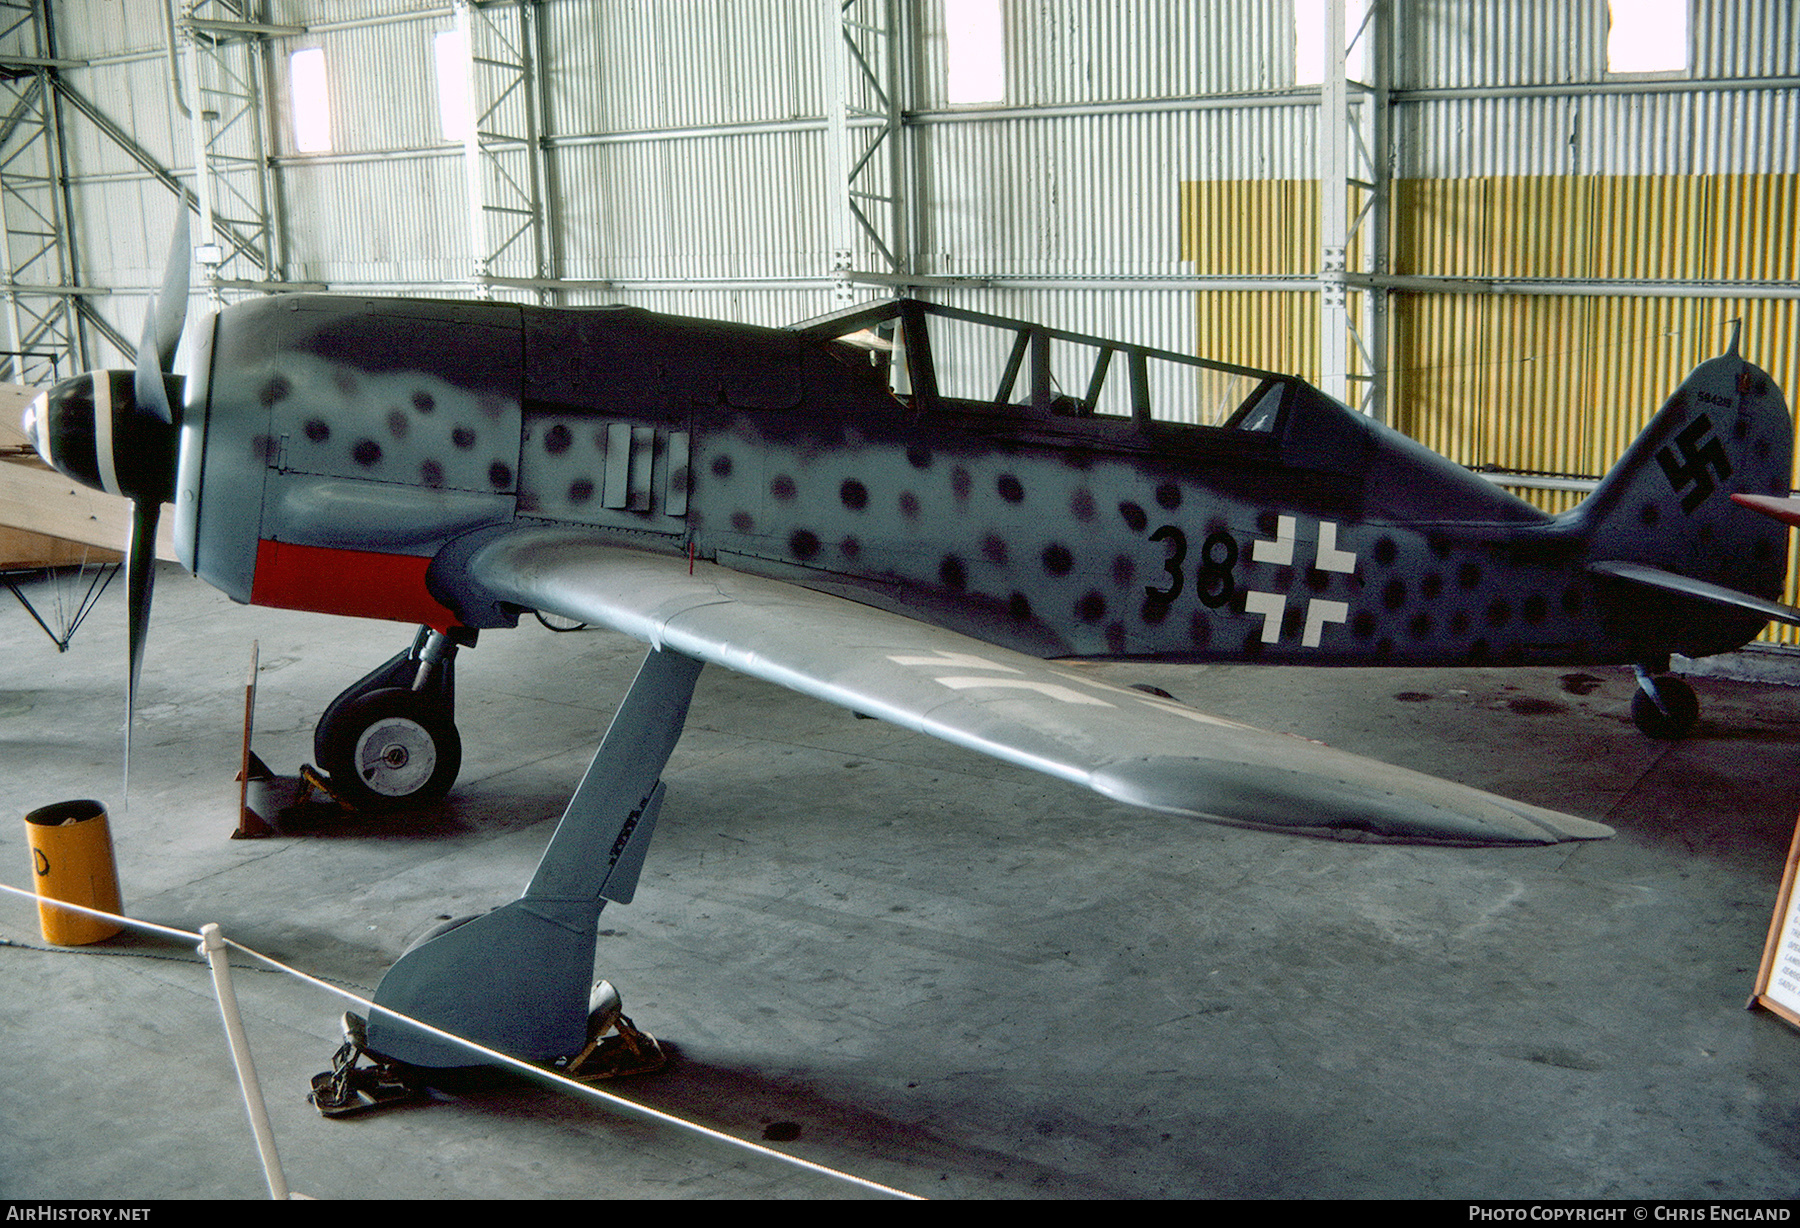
x=1487 y=225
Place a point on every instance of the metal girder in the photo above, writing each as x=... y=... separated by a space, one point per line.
x=1353 y=143
x=502 y=149
x=47 y=319
x=222 y=228
x=36 y=257
x=867 y=41
x=225 y=108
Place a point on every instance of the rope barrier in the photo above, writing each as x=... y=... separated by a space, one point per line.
x=212 y=944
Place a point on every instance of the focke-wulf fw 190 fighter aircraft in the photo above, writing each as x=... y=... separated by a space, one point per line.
x=831 y=517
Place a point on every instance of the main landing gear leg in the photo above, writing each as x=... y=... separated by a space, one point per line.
x=518 y=979
x=389 y=740
x=1663 y=707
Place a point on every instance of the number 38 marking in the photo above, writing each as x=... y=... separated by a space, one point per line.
x=1216 y=581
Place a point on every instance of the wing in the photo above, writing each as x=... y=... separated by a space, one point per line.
x=1128 y=745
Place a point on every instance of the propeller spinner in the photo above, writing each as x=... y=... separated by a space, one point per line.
x=116 y=431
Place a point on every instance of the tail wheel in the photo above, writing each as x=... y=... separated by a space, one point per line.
x=390 y=749
x=1674 y=717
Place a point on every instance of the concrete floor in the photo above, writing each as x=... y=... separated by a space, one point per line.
x=939 y=972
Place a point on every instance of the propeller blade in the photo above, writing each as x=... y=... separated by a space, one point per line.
x=162 y=327
x=152 y=394
x=171 y=301
x=140 y=578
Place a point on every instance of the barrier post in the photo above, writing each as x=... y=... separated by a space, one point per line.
x=212 y=945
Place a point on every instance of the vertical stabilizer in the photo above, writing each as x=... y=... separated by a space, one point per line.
x=1667 y=503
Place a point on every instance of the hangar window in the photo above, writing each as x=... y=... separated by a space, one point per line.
x=974 y=51
x=312 y=105
x=452 y=84
x=1309 y=41
x=1647 y=36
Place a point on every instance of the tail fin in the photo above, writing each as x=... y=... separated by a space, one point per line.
x=1667 y=503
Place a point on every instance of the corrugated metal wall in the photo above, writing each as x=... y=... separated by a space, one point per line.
x=1515 y=157
x=687 y=140
x=1612 y=352
x=1143 y=146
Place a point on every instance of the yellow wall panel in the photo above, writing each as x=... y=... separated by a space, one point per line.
x=1754 y=232
x=1252 y=227
x=1439 y=224
x=1256 y=227
x=1631 y=227
x=1550 y=383
x=1648 y=227
x=1556 y=384
x=1273 y=329
x=1535 y=226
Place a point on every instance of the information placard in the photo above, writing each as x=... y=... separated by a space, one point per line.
x=1778 y=980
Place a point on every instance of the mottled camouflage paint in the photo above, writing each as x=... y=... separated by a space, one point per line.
x=1324 y=538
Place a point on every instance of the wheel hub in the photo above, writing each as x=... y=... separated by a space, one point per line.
x=395 y=757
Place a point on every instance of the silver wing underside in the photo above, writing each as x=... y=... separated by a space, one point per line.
x=1127 y=745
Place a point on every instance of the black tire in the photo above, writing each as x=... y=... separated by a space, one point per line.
x=389 y=750
x=1683 y=710
x=397 y=671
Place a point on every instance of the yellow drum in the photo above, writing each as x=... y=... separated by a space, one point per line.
x=72 y=860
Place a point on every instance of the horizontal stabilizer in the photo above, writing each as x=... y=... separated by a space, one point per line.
x=1700 y=590
x=1052 y=717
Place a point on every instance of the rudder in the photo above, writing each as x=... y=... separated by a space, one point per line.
x=1667 y=502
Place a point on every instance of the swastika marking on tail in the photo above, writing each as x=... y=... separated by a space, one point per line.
x=1696 y=459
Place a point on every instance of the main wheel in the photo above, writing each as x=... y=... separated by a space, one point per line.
x=1683 y=710
x=390 y=749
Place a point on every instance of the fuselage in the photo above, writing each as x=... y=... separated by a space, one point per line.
x=332 y=447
